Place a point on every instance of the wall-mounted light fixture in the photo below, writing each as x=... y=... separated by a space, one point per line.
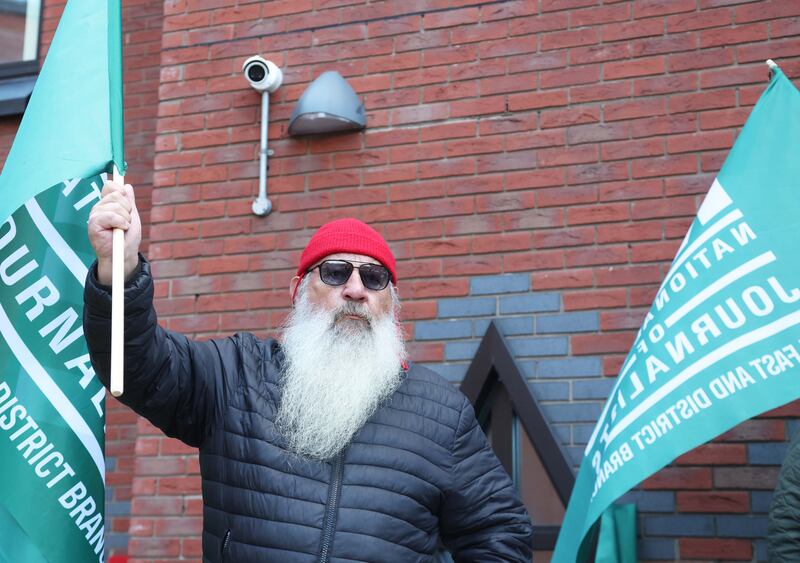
x=265 y=77
x=328 y=105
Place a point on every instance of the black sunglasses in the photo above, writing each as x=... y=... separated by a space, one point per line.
x=336 y=272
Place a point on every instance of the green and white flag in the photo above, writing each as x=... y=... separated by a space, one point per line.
x=721 y=342
x=52 y=408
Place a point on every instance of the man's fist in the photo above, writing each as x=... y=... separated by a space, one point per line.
x=115 y=210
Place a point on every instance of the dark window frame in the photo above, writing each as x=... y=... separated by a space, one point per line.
x=17 y=71
x=493 y=366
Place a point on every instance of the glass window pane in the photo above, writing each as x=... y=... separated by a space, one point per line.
x=19 y=30
x=535 y=487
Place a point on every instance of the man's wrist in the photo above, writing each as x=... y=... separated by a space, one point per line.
x=104 y=269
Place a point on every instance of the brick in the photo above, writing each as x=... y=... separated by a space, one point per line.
x=550 y=391
x=541 y=346
x=715 y=548
x=441 y=247
x=702 y=101
x=462 y=350
x=600 y=213
x=473 y=265
x=567 y=323
x=595 y=256
x=664 y=166
x=586 y=74
x=570 y=38
x=450 y=55
x=679 y=525
x=440 y=330
x=584 y=344
x=599 y=92
x=510 y=202
x=631 y=30
x=700 y=141
x=656 y=549
x=633 y=68
x=561 y=279
x=154 y=547
x=531 y=303
x=604 y=14
x=504 y=242
x=760 y=501
x=699 y=60
x=559 y=238
x=742 y=526
x=593 y=173
x=507 y=283
x=567 y=155
x=468 y=307
x=650 y=501
x=451 y=18
x=769 y=453
x=451 y=372
x=738 y=34
x=598 y=389
x=746 y=477
x=507 y=46
x=572 y=412
x=631 y=109
x=157 y=506
x=445 y=207
x=595 y=299
x=654 y=252
x=514 y=9
x=723 y=118
x=537 y=100
x=569 y=116
x=665 y=84
x=713 y=501
x=663 y=45
x=581 y=433
x=756 y=430
x=509 y=326
x=569 y=367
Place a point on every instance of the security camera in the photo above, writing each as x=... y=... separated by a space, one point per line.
x=263 y=75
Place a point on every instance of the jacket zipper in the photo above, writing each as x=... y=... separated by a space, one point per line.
x=329 y=522
x=225 y=541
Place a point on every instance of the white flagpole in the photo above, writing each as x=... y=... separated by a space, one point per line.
x=117 y=301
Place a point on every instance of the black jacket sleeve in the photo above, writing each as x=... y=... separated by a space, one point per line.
x=783 y=532
x=483 y=518
x=174 y=382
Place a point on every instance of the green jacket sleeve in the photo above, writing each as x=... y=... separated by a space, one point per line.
x=783 y=533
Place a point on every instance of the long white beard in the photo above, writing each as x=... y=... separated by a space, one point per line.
x=336 y=375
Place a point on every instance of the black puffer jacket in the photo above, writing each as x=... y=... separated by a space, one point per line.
x=419 y=470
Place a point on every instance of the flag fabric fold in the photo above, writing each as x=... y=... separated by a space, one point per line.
x=52 y=405
x=720 y=343
x=67 y=130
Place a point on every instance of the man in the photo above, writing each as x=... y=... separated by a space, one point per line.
x=783 y=530
x=326 y=446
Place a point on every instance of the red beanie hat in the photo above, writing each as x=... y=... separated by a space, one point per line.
x=350 y=236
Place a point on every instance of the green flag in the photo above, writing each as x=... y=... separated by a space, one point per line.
x=72 y=127
x=720 y=343
x=52 y=408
